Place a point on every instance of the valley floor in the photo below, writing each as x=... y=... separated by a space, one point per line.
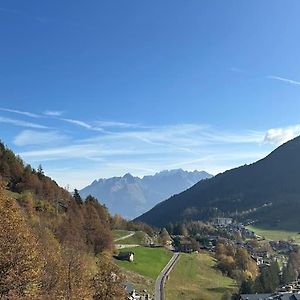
x=276 y=234
x=195 y=277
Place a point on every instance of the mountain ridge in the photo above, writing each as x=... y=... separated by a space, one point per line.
x=132 y=195
x=267 y=191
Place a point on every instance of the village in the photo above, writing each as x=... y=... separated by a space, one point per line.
x=229 y=232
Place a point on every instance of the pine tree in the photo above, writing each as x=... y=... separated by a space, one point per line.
x=246 y=287
x=40 y=171
x=77 y=197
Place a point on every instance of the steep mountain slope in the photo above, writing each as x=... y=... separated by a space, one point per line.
x=267 y=191
x=131 y=196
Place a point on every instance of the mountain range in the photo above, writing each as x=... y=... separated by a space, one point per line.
x=131 y=196
x=267 y=192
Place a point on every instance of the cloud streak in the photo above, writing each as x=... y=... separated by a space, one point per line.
x=53 y=113
x=20 y=112
x=175 y=140
x=287 y=80
x=115 y=124
x=21 y=123
x=34 y=137
x=82 y=124
x=118 y=147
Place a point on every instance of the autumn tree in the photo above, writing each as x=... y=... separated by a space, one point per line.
x=97 y=227
x=20 y=264
x=53 y=278
x=164 y=236
x=108 y=281
x=77 y=274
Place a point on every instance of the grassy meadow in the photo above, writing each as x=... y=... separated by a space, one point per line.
x=195 y=277
x=137 y=239
x=276 y=234
x=147 y=262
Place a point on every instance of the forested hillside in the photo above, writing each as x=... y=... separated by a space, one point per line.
x=52 y=245
x=267 y=191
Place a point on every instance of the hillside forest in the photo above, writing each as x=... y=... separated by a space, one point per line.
x=53 y=245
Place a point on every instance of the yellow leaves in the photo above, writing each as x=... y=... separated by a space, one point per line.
x=20 y=265
x=35 y=265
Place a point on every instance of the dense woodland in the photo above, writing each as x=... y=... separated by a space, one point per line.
x=53 y=245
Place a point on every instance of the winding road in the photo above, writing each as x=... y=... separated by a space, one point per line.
x=161 y=279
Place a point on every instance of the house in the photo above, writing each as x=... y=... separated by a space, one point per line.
x=186 y=246
x=136 y=296
x=258 y=259
x=222 y=222
x=129 y=256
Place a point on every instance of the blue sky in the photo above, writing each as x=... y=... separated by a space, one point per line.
x=94 y=89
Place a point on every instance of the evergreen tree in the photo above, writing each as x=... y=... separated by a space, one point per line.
x=40 y=171
x=288 y=274
x=275 y=277
x=77 y=197
x=246 y=287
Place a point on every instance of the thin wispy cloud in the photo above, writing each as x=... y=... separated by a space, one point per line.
x=82 y=124
x=34 y=137
x=21 y=123
x=53 y=113
x=118 y=147
x=183 y=140
x=20 y=112
x=287 y=80
x=113 y=124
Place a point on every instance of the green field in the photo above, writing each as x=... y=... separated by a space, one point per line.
x=120 y=233
x=276 y=235
x=147 y=261
x=137 y=239
x=195 y=277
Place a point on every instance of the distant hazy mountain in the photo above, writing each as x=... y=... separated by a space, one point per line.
x=267 y=191
x=131 y=196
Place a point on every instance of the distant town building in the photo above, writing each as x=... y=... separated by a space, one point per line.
x=222 y=221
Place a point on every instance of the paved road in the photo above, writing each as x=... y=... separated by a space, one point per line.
x=161 y=279
x=125 y=237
